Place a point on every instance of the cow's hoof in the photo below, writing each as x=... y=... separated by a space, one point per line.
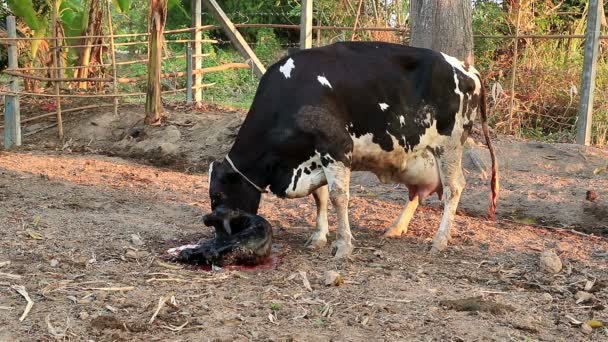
x=316 y=242
x=342 y=250
x=439 y=245
x=393 y=232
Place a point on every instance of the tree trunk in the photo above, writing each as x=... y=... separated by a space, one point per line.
x=443 y=25
x=91 y=53
x=156 y=26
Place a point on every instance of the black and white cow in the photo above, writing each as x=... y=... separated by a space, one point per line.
x=403 y=113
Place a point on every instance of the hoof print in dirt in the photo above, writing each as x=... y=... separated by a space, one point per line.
x=240 y=238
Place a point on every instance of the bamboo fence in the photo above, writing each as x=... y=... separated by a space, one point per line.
x=115 y=80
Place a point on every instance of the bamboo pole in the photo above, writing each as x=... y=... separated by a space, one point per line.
x=356 y=20
x=206 y=70
x=514 y=70
x=207 y=85
x=183 y=73
x=55 y=56
x=125 y=35
x=56 y=79
x=113 y=57
x=38 y=117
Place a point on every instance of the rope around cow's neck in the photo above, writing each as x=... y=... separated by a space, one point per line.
x=244 y=177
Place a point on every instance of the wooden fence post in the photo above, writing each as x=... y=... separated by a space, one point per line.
x=197 y=35
x=189 y=75
x=12 y=115
x=306 y=25
x=592 y=39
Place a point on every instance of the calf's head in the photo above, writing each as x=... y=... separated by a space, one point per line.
x=230 y=190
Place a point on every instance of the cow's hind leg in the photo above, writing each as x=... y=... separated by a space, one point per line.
x=403 y=221
x=453 y=181
x=319 y=237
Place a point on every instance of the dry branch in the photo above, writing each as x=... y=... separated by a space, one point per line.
x=161 y=303
x=112 y=289
x=22 y=291
x=10 y=276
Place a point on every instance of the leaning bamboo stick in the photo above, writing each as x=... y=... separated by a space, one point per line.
x=124 y=35
x=93 y=96
x=38 y=117
x=56 y=43
x=56 y=79
x=113 y=57
x=183 y=73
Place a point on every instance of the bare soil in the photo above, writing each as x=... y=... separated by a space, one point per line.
x=85 y=226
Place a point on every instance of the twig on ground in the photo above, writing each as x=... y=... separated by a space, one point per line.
x=305 y=281
x=174 y=328
x=22 y=291
x=394 y=300
x=161 y=303
x=10 y=276
x=167 y=265
x=112 y=289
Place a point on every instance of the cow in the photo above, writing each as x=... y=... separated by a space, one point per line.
x=401 y=112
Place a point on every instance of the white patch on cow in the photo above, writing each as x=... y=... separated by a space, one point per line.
x=287 y=68
x=304 y=184
x=401 y=120
x=472 y=73
x=323 y=80
x=210 y=171
x=383 y=106
x=417 y=167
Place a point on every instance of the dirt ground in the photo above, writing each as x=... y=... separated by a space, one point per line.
x=85 y=224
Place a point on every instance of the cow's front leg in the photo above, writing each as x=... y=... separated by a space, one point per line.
x=403 y=221
x=338 y=181
x=453 y=182
x=319 y=237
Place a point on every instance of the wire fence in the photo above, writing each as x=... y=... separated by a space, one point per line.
x=514 y=77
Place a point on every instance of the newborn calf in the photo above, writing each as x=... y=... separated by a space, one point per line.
x=240 y=238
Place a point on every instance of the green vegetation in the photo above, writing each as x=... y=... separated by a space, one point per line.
x=547 y=78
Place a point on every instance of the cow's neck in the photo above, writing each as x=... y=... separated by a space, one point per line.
x=249 y=158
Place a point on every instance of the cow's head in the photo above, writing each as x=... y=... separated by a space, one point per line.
x=230 y=190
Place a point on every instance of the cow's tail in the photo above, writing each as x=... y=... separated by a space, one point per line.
x=486 y=133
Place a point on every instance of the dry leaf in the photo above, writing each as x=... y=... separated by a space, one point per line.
x=595 y=323
x=583 y=297
x=34 y=235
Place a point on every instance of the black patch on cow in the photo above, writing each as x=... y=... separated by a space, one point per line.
x=437 y=151
x=307 y=171
x=325 y=160
x=313 y=165
x=465 y=133
x=296 y=179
